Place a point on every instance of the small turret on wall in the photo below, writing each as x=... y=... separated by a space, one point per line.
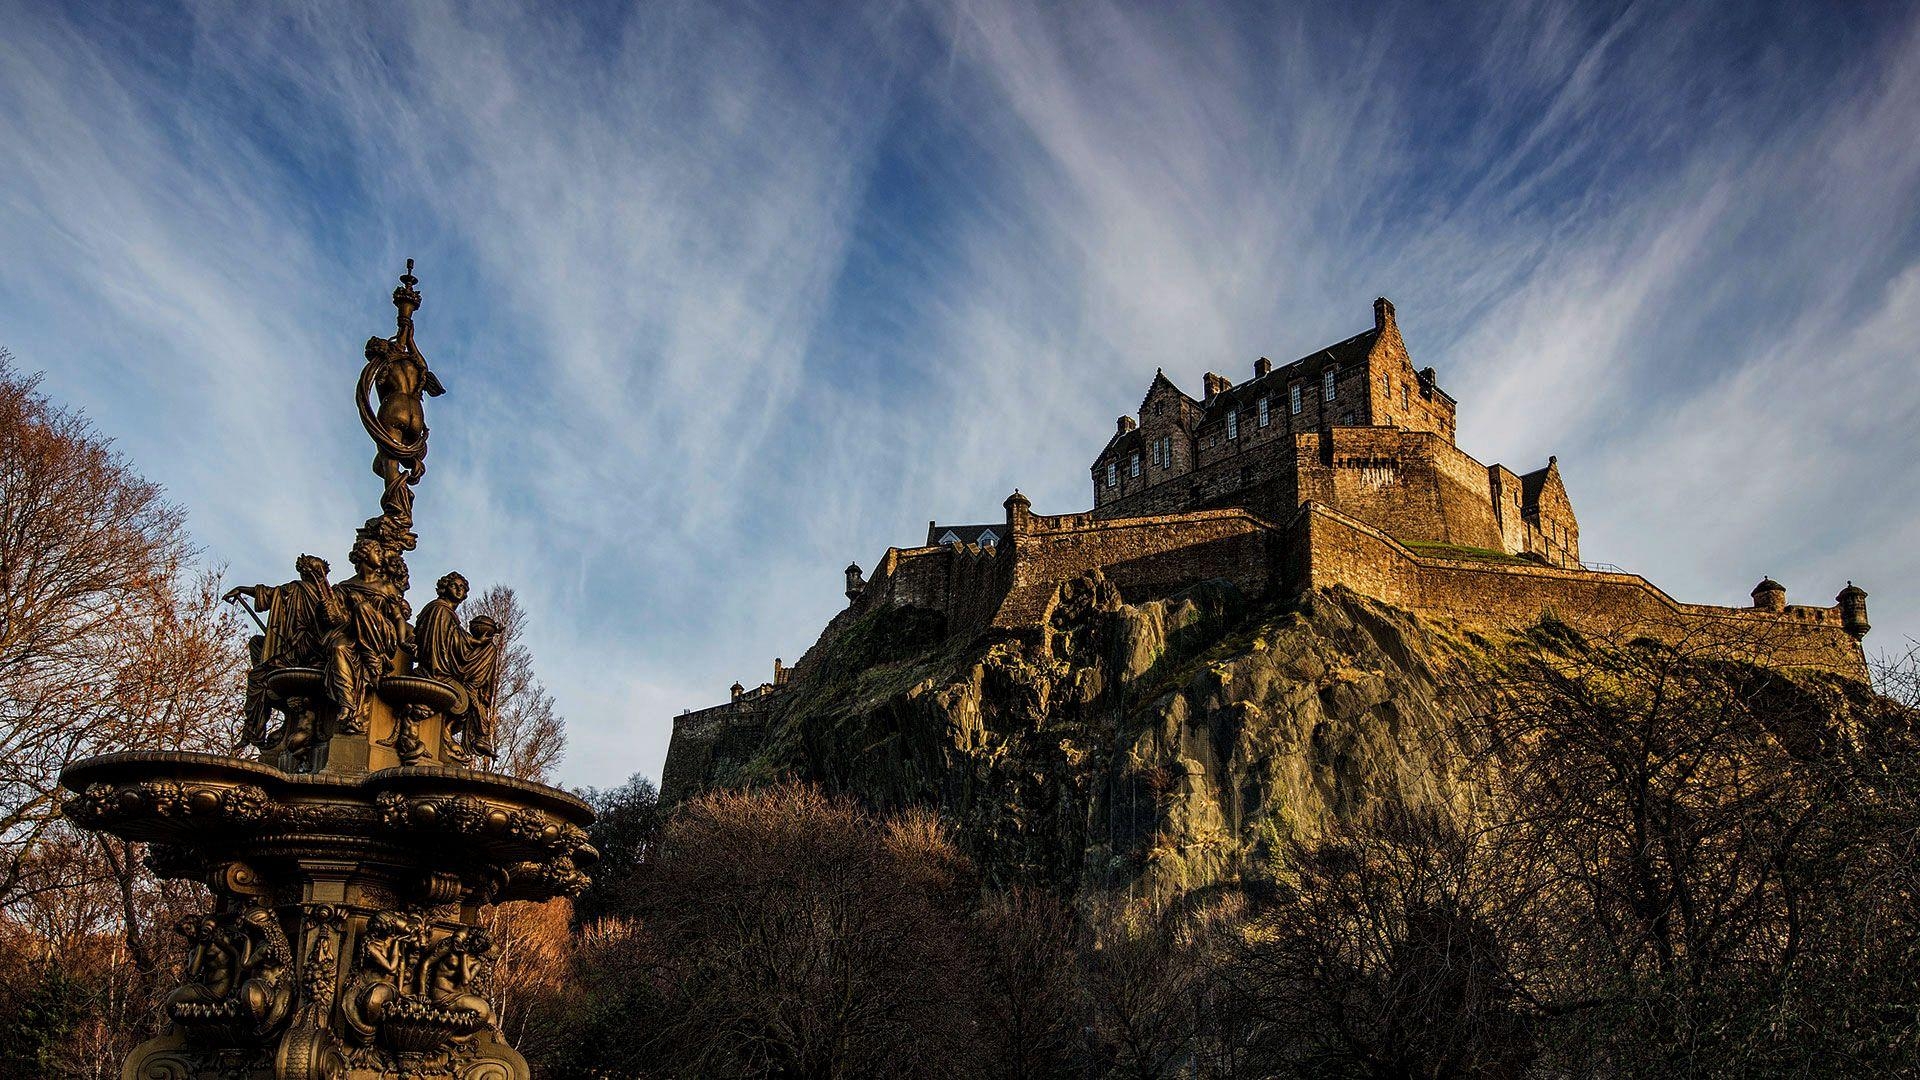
x=1853 y=610
x=1769 y=595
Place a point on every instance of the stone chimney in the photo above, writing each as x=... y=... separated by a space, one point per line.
x=1216 y=385
x=1383 y=314
x=1853 y=610
x=1125 y=425
x=1262 y=368
x=1769 y=595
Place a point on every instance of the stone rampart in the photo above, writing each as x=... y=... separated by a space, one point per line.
x=1328 y=548
x=1143 y=556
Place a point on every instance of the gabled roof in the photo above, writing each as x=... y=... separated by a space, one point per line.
x=965 y=534
x=1161 y=382
x=1533 y=483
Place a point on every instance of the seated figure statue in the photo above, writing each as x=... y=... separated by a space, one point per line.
x=466 y=657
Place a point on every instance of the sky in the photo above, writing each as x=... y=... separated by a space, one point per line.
x=726 y=295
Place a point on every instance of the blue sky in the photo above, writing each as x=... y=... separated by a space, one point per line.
x=727 y=295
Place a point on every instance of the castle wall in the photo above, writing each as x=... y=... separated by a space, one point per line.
x=708 y=740
x=1415 y=485
x=1329 y=548
x=961 y=581
x=1143 y=556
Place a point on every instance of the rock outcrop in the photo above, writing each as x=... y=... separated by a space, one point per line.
x=1160 y=747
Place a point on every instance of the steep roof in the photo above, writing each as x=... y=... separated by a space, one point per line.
x=1533 y=483
x=965 y=534
x=1353 y=350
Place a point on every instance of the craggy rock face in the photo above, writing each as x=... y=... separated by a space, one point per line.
x=1157 y=747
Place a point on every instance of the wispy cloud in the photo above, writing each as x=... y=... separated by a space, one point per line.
x=728 y=295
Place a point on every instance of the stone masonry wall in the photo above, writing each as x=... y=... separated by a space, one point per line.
x=1329 y=548
x=1414 y=484
x=1144 y=556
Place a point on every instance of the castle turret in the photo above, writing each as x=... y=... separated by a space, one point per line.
x=736 y=690
x=1853 y=610
x=1019 y=509
x=1769 y=595
x=855 y=583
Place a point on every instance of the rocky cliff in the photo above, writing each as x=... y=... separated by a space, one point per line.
x=1156 y=747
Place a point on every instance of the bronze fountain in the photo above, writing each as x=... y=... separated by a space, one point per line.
x=351 y=856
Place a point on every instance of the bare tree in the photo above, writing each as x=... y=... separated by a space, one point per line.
x=783 y=933
x=108 y=641
x=530 y=734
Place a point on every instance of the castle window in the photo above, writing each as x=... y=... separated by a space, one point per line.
x=1406 y=397
x=1263 y=410
x=1113 y=474
x=1386 y=383
x=1233 y=423
x=1326 y=384
x=988 y=538
x=1133 y=465
x=1295 y=394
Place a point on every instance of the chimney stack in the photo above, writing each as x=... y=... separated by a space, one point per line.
x=1125 y=425
x=1382 y=313
x=1216 y=385
x=1262 y=368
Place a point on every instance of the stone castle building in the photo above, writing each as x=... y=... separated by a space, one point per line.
x=1352 y=426
x=1339 y=469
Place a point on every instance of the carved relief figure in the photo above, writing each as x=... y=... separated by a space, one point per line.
x=238 y=973
x=452 y=967
x=468 y=658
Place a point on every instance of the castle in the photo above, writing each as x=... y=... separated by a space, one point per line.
x=1352 y=426
x=1337 y=470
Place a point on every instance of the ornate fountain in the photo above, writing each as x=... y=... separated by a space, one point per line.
x=350 y=859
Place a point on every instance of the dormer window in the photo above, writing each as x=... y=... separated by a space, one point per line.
x=1233 y=423
x=1133 y=465
x=1263 y=410
x=988 y=538
x=1326 y=384
x=1113 y=474
x=1294 y=392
